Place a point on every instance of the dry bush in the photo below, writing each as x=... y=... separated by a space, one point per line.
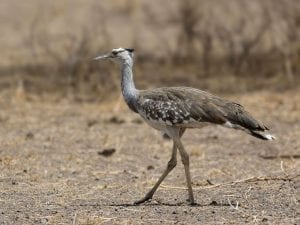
x=62 y=59
x=207 y=39
x=241 y=37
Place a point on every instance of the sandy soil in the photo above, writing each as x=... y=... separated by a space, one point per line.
x=58 y=166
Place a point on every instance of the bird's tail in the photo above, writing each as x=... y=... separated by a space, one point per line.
x=241 y=119
x=262 y=135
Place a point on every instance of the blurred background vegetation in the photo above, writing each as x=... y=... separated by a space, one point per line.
x=217 y=45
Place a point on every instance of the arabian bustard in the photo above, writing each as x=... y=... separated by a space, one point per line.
x=174 y=109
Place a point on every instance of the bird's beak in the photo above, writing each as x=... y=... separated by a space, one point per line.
x=106 y=56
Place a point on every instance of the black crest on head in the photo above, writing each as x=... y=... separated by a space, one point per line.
x=129 y=49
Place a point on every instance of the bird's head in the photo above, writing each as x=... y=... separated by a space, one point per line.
x=119 y=55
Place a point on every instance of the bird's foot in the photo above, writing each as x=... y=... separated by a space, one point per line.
x=145 y=199
x=192 y=201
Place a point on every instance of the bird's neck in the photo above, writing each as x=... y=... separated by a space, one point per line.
x=129 y=91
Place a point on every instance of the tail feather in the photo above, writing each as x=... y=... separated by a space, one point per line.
x=236 y=114
x=239 y=118
x=262 y=135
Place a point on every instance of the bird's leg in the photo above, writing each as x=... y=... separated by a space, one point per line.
x=171 y=164
x=186 y=162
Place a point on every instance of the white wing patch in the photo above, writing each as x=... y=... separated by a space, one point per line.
x=228 y=124
x=269 y=136
x=118 y=49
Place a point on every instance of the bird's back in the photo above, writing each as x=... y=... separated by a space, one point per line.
x=184 y=106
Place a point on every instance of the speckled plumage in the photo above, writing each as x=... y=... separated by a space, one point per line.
x=189 y=108
x=174 y=109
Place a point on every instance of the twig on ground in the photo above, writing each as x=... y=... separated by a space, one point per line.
x=236 y=207
x=250 y=179
x=295 y=156
x=74 y=219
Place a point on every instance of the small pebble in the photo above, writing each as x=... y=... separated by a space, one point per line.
x=150 y=167
x=29 y=136
x=107 y=152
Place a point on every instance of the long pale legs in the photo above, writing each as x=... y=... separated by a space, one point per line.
x=186 y=162
x=171 y=164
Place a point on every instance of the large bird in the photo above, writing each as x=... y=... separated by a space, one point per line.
x=174 y=109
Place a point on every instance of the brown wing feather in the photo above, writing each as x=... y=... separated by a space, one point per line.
x=237 y=115
x=202 y=106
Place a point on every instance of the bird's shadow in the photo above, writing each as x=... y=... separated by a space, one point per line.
x=152 y=204
x=159 y=203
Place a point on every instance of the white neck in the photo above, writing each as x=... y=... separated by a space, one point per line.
x=129 y=91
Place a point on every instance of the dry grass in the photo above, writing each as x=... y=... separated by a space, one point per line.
x=51 y=171
x=47 y=45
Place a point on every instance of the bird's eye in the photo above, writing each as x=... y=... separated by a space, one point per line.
x=114 y=53
x=129 y=49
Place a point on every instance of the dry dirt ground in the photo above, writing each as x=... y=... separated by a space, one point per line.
x=54 y=168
